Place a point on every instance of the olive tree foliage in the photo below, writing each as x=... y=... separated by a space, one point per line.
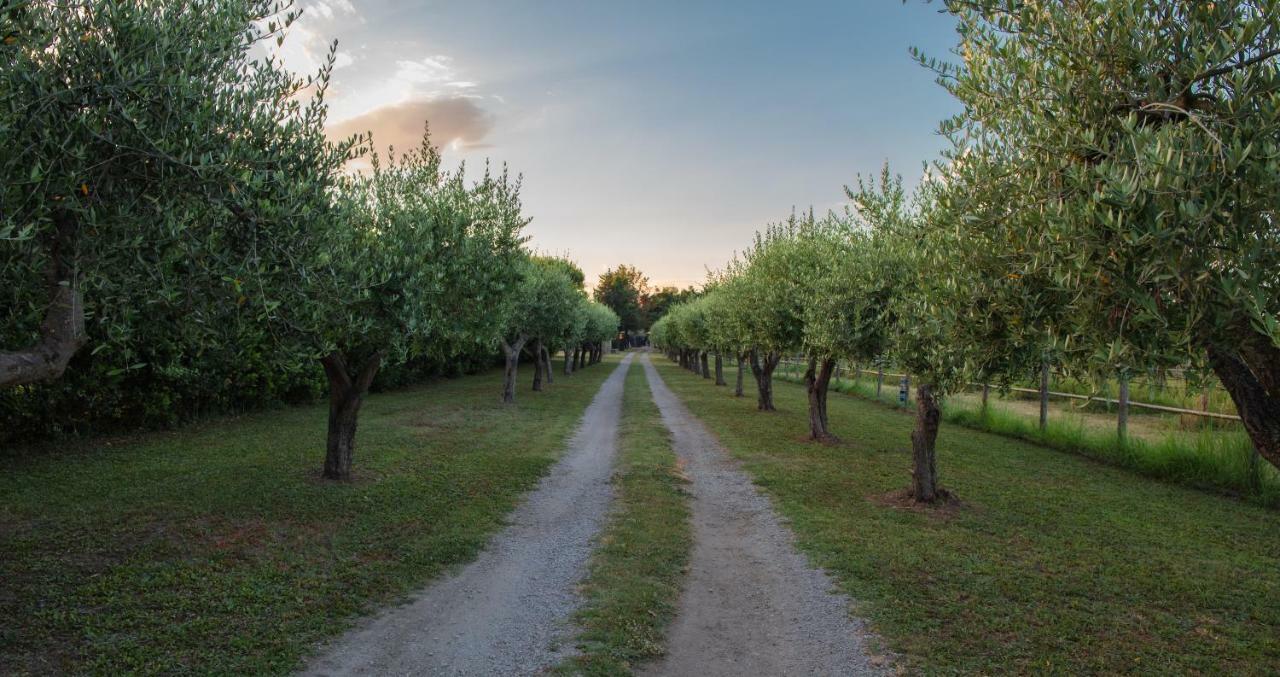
x=1138 y=141
x=153 y=177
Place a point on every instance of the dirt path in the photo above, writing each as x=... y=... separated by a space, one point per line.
x=752 y=605
x=502 y=614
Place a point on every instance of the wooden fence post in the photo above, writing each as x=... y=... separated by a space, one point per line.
x=1044 y=396
x=1122 y=410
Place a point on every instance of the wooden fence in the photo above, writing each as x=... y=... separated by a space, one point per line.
x=1122 y=404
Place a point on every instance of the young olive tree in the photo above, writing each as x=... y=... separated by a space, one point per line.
x=923 y=304
x=766 y=306
x=847 y=311
x=1138 y=141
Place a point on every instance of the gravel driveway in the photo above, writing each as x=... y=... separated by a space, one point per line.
x=504 y=613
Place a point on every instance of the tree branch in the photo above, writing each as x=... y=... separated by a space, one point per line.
x=62 y=331
x=1223 y=70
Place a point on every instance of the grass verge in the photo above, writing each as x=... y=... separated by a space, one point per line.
x=1053 y=563
x=216 y=549
x=1223 y=461
x=633 y=585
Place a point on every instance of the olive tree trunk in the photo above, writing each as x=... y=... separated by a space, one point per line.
x=568 y=360
x=1251 y=375
x=706 y=369
x=742 y=368
x=924 y=476
x=346 y=394
x=719 y=370
x=536 y=354
x=512 y=353
x=763 y=371
x=545 y=356
x=817 y=381
x=62 y=330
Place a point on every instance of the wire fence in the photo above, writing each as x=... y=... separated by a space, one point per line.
x=1123 y=402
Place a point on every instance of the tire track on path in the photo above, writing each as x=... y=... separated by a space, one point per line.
x=752 y=604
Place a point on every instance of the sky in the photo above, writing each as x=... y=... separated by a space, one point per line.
x=660 y=134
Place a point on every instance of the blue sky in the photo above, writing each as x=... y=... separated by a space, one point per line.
x=659 y=134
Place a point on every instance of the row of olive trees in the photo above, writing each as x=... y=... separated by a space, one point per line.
x=172 y=212
x=550 y=312
x=1108 y=203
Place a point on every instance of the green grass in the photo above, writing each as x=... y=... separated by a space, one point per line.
x=634 y=581
x=1223 y=461
x=1217 y=460
x=1054 y=563
x=216 y=549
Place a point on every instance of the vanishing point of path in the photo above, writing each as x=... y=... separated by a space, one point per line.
x=504 y=613
x=752 y=604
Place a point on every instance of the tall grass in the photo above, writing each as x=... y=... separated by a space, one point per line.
x=1218 y=460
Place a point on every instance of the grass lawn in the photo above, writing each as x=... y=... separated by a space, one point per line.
x=1054 y=563
x=216 y=549
x=633 y=587
x=1213 y=459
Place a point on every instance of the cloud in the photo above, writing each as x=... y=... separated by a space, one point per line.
x=458 y=122
x=307 y=41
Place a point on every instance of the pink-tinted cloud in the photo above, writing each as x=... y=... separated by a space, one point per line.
x=453 y=120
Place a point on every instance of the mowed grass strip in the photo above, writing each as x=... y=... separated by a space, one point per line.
x=217 y=549
x=1053 y=564
x=634 y=582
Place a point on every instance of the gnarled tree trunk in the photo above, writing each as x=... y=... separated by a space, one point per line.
x=924 y=476
x=817 y=381
x=719 y=370
x=763 y=371
x=62 y=331
x=568 y=360
x=1251 y=374
x=346 y=394
x=706 y=368
x=512 y=353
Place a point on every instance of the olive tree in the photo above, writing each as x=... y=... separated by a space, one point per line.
x=412 y=261
x=153 y=171
x=847 y=305
x=602 y=325
x=765 y=305
x=1137 y=140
